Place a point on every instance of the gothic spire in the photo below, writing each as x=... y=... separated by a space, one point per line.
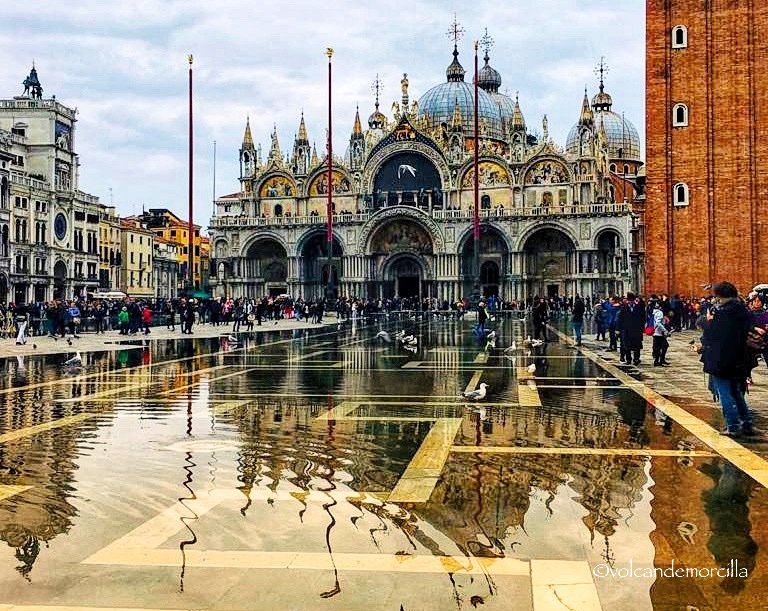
x=247 y=138
x=302 y=137
x=587 y=117
x=518 y=121
x=357 y=129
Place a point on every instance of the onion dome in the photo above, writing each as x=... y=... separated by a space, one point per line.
x=437 y=105
x=489 y=79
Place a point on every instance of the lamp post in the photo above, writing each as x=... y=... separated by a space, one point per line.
x=329 y=292
x=476 y=294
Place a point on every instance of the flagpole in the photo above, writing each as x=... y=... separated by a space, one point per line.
x=329 y=228
x=191 y=229
x=476 y=293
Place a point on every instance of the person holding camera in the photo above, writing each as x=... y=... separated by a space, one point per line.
x=726 y=357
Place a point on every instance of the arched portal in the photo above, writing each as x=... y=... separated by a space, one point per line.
x=407 y=178
x=313 y=260
x=492 y=264
x=401 y=249
x=59 y=280
x=549 y=262
x=404 y=275
x=267 y=264
x=610 y=263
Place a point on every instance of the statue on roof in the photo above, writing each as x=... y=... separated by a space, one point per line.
x=32 y=85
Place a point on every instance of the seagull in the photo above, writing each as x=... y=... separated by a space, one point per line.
x=481 y=413
x=490 y=341
x=410 y=349
x=406 y=168
x=75 y=361
x=232 y=339
x=532 y=368
x=383 y=335
x=532 y=342
x=476 y=395
x=410 y=340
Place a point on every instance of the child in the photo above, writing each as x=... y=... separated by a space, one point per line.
x=660 y=342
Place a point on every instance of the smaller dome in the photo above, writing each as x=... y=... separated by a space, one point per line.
x=489 y=78
x=455 y=71
x=377 y=120
x=602 y=100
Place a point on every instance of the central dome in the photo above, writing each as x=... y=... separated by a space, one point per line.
x=439 y=102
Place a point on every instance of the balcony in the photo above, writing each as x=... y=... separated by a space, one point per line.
x=593 y=209
x=26 y=181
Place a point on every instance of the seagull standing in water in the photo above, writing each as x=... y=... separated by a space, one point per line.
x=75 y=361
x=476 y=395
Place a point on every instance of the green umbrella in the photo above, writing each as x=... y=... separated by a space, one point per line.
x=197 y=294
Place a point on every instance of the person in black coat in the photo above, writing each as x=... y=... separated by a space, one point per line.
x=540 y=316
x=630 y=323
x=577 y=318
x=726 y=357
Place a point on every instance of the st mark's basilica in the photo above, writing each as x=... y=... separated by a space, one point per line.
x=553 y=220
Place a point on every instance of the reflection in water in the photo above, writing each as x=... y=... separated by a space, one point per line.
x=516 y=505
x=186 y=520
x=727 y=507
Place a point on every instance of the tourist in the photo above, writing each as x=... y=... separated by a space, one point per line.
x=540 y=316
x=577 y=318
x=660 y=341
x=726 y=357
x=630 y=322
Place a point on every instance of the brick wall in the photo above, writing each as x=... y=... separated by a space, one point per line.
x=721 y=76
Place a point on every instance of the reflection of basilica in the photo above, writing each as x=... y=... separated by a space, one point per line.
x=403 y=201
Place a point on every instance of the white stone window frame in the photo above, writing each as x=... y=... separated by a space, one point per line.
x=681 y=195
x=682 y=43
x=678 y=121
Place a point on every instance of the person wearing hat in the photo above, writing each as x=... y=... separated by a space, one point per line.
x=123 y=318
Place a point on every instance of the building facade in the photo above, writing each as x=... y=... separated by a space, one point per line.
x=137 y=244
x=52 y=226
x=553 y=220
x=164 y=223
x=706 y=211
x=165 y=266
x=110 y=245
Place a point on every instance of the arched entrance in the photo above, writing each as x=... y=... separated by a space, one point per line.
x=313 y=260
x=407 y=178
x=492 y=263
x=400 y=249
x=266 y=268
x=549 y=263
x=610 y=263
x=405 y=274
x=59 y=280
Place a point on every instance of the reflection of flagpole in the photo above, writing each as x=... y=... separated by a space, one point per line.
x=329 y=229
x=476 y=219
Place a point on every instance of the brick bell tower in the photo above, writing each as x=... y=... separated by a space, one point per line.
x=707 y=164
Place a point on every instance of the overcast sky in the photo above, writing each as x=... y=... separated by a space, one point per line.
x=123 y=65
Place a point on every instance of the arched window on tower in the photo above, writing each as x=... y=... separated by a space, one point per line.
x=680 y=194
x=679 y=37
x=679 y=115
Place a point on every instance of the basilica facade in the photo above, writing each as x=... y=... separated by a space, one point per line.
x=554 y=220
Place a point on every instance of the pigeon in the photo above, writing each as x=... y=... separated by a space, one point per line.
x=34 y=346
x=476 y=395
x=383 y=335
x=75 y=361
x=69 y=341
x=532 y=368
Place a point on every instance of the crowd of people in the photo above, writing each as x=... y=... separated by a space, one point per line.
x=733 y=330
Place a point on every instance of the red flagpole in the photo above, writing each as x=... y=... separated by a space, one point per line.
x=329 y=237
x=329 y=286
x=477 y=158
x=191 y=230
